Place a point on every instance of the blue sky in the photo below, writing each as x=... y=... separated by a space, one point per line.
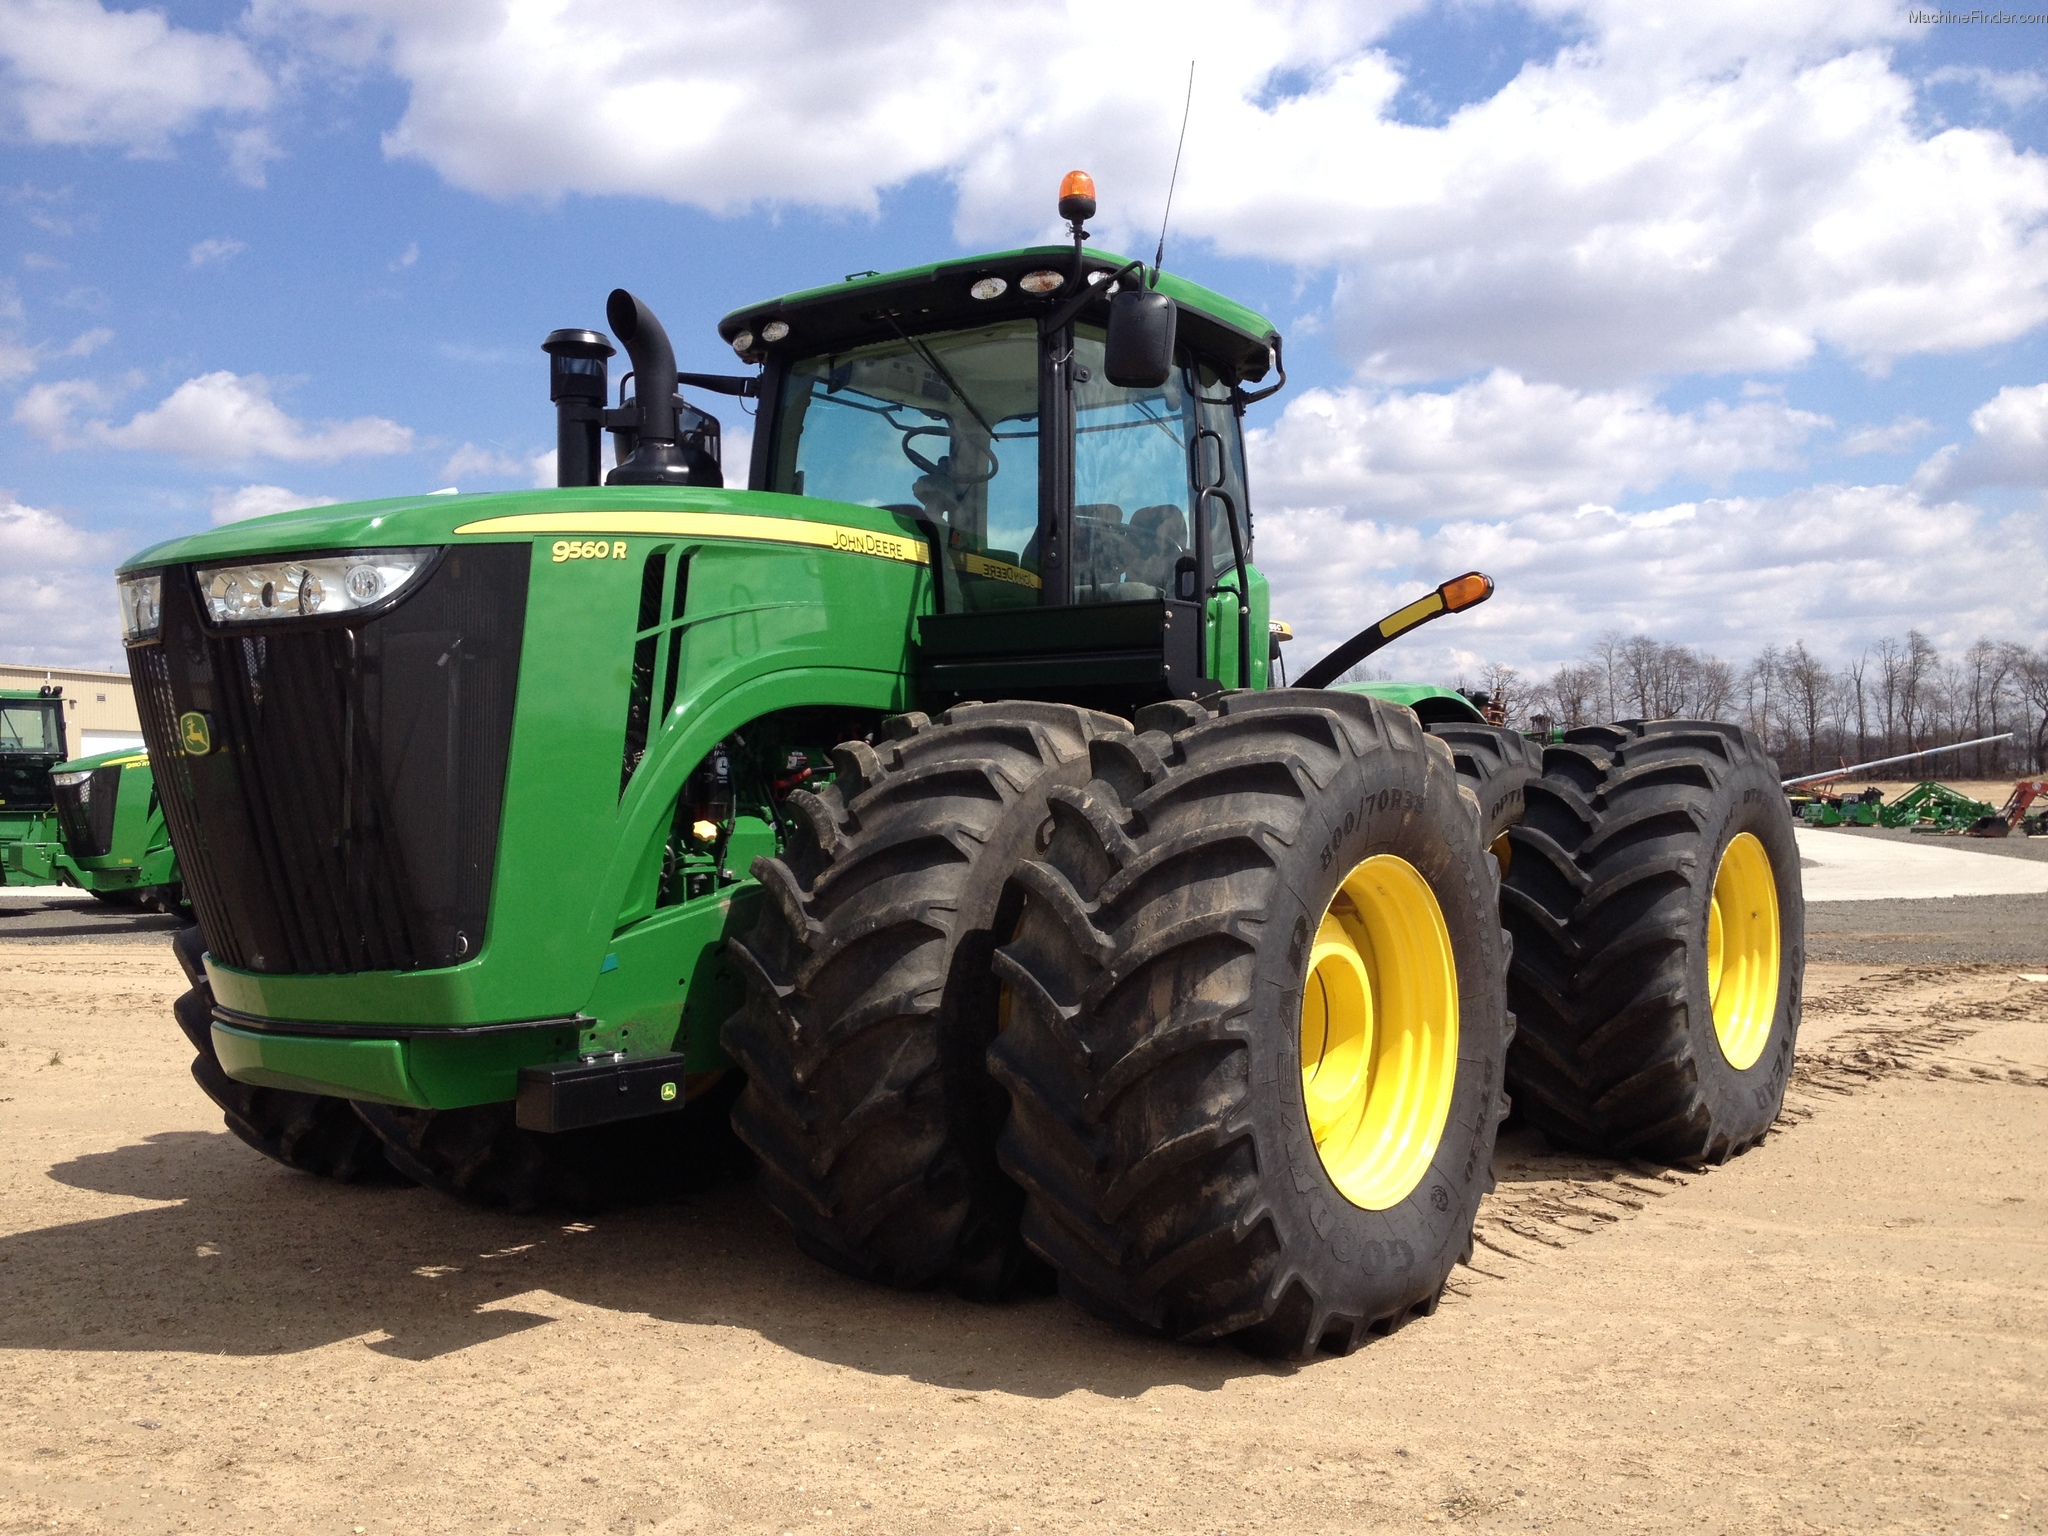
x=1727 y=327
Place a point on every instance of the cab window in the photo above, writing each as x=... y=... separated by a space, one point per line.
x=1131 y=481
x=943 y=428
x=28 y=727
x=1219 y=462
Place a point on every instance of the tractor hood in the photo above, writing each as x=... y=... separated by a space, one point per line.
x=434 y=520
x=120 y=757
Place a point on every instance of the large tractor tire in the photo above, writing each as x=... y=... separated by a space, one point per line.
x=482 y=1157
x=309 y=1132
x=1497 y=765
x=1256 y=1024
x=1659 y=927
x=870 y=1002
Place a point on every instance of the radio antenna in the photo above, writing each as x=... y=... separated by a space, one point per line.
x=1159 y=256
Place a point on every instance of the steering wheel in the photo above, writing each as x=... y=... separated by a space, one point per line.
x=944 y=470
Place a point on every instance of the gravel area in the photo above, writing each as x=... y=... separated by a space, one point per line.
x=2011 y=846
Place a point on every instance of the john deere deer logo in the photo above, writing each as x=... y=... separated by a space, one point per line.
x=195 y=734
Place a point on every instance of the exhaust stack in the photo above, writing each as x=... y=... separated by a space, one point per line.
x=669 y=442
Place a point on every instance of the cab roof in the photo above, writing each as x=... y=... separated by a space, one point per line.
x=1239 y=341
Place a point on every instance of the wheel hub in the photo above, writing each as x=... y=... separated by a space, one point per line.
x=1379 y=1032
x=1743 y=944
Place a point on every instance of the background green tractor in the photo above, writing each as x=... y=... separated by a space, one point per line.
x=932 y=812
x=93 y=823
x=115 y=841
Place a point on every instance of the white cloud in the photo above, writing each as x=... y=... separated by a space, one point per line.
x=1580 y=227
x=1722 y=188
x=1502 y=445
x=250 y=151
x=216 y=418
x=407 y=257
x=2013 y=89
x=77 y=73
x=215 y=249
x=1902 y=433
x=59 y=606
x=48 y=410
x=1837 y=565
x=231 y=506
x=85 y=343
x=2010 y=446
x=469 y=462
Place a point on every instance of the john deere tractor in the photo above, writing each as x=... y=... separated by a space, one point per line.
x=94 y=823
x=31 y=745
x=933 y=811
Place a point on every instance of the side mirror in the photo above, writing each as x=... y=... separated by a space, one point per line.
x=1139 y=353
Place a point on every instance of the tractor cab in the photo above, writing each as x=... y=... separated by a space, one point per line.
x=1089 y=522
x=1063 y=426
x=31 y=744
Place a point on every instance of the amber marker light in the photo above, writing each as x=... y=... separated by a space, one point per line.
x=1466 y=591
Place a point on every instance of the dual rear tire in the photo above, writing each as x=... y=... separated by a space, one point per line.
x=1653 y=892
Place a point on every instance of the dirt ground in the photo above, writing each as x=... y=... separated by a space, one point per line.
x=1846 y=1329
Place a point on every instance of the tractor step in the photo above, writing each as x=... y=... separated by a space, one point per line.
x=575 y=1095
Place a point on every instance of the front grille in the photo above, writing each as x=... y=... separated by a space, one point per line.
x=85 y=810
x=346 y=817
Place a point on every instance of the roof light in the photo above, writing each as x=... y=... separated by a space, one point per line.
x=990 y=288
x=775 y=330
x=1045 y=280
x=1077 y=196
x=743 y=343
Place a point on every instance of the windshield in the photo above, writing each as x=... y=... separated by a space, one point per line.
x=942 y=427
x=29 y=726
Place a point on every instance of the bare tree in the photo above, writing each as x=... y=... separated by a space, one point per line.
x=1915 y=671
x=1509 y=693
x=1713 y=689
x=1808 y=686
x=1852 y=679
x=1572 y=695
x=2030 y=680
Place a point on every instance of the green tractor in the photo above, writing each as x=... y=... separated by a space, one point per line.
x=934 y=814
x=31 y=745
x=93 y=823
x=115 y=840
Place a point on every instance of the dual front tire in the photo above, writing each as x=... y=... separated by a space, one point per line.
x=1257 y=1026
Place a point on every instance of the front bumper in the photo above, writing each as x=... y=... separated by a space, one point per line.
x=427 y=1068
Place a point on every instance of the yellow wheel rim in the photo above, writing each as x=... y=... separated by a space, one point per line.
x=1379 y=1032
x=1742 y=951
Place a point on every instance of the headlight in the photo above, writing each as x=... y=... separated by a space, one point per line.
x=71 y=780
x=141 y=604
x=299 y=589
